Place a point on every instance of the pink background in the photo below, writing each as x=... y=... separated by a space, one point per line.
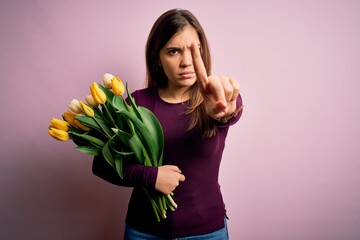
x=291 y=166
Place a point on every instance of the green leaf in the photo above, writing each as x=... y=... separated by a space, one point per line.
x=148 y=161
x=98 y=113
x=93 y=140
x=118 y=165
x=107 y=154
x=119 y=103
x=134 y=142
x=154 y=127
x=122 y=153
x=124 y=136
x=144 y=136
x=132 y=103
x=87 y=121
x=124 y=142
x=79 y=141
x=96 y=123
x=123 y=123
x=93 y=151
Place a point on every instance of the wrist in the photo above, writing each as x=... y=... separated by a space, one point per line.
x=227 y=117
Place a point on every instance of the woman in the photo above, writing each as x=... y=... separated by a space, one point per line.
x=195 y=110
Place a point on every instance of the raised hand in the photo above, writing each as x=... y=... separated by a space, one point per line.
x=219 y=92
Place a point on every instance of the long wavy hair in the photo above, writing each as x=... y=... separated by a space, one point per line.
x=168 y=24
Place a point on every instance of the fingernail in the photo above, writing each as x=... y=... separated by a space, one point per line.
x=221 y=106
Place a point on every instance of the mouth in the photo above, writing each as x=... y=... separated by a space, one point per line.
x=187 y=74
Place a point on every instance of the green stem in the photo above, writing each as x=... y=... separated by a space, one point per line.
x=173 y=204
x=161 y=206
x=153 y=204
x=108 y=112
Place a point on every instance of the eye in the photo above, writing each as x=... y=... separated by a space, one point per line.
x=173 y=51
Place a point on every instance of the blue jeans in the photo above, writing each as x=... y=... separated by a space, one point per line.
x=132 y=234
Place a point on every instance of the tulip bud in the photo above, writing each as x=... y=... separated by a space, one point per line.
x=90 y=100
x=74 y=106
x=117 y=86
x=98 y=95
x=88 y=111
x=69 y=117
x=107 y=80
x=58 y=134
x=59 y=124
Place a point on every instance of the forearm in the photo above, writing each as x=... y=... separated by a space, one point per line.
x=134 y=175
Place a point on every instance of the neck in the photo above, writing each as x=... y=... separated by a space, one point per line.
x=174 y=95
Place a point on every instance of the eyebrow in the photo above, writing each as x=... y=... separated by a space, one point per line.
x=169 y=48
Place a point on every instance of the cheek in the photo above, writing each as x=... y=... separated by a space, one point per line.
x=169 y=67
x=168 y=72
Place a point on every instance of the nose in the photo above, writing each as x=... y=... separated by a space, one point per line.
x=186 y=59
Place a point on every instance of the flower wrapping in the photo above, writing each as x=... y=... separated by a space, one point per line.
x=109 y=126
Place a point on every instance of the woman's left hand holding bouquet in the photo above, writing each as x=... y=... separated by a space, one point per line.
x=168 y=178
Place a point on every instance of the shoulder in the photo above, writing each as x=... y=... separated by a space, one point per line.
x=145 y=96
x=144 y=93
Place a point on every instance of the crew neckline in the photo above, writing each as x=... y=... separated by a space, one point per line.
x=170 y=103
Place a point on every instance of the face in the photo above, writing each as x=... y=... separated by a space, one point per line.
x=176 y=59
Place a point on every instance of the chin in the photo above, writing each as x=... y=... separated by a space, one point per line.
x=187 y=82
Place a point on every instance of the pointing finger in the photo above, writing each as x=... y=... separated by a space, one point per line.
x=199 y=67
x=217 y=94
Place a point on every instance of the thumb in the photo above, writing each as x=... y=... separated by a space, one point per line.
x=182 y=178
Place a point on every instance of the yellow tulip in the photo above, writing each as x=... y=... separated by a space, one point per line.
x=90 y=100
x=117 y=86
x=58 y=134
x=81 y=126
x=88 y=111
x=98 y=95
x=59 y=124
x=69 y=117
x=107 y=80
x=74 y=106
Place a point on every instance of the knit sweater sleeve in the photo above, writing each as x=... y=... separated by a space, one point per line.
x=134 y=175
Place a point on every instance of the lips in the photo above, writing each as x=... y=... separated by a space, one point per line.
x=187 y=74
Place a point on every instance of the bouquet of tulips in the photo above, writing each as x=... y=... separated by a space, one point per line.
x=107 y=125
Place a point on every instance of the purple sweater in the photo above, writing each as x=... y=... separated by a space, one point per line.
x=201 y=207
